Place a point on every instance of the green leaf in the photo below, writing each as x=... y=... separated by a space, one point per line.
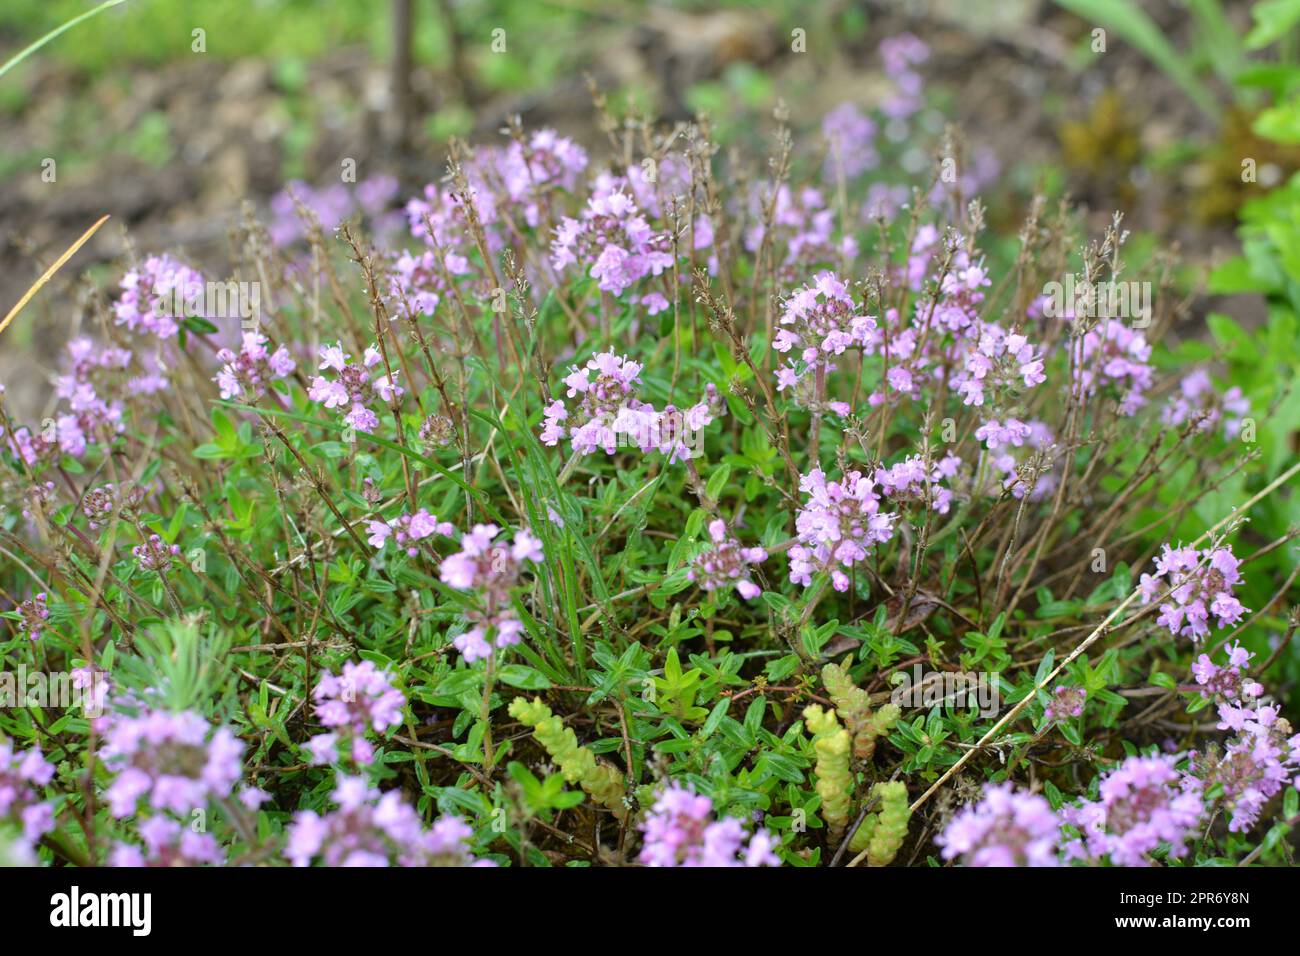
x=523 y=677
x=718 y=481
x=1279 y=123
x=1273 y=18
x=715 y=717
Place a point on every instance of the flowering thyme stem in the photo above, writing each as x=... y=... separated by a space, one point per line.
x=1087 y=642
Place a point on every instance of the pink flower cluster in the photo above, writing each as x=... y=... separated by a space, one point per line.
x=819 y=321
x=167 y=842
x=176 y=761
x=151 y=293
x=447 y=212
x=32 y=615
x=1005 y=828
x=804 y=224
x=247 y=373
x=531 y=171
x=93 y=374
x=491 y=569
x=1115 y=357
x=609 y=414
x=1200 y=585
x=1014 y=476
x=994 y=434
x=101 y=503
x=1260 y=759
x=725 y=563
x=1143 y=803
x=614 y=237
x=998 y=360
x=22 y=774
x=370 y=829
x=88 y=416
x=330 y=204
x=353 y=703
x=836 y=527
x=1067 y=703
x=417 y=284
x=850 y=141
x=408 y=530
x=1199 y=401
x=353 y=388
x=680 y=830
x=960 y=294
x=908 y=481
x=1227 y=682
x=900 y=56
x=155 y=554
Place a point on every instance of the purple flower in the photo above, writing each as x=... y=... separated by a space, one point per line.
x=91 y=408
x=22 y=775
x=608 y=415
x=156 y=554
x=1066 y=704
x=492 y=570
x=613 y=236
x=32 y=616
x=804 y=224
x=158 y=295
x=354 y=388
x=725 y=563
x=996 y=361
x=175 y=762
x=900 y=55
x=417 y=284
x=370 y=829
x=1229 y=682
x=995 y=434
x=818 y=322
x=1199 y=585
x=167 y=843
x=838 y=524
x=1143 y=803
x=100 y=504
x=1005 y=828
x=908 y=480
x=1199 y=401
x=850 y=140
x=353 y=703
x=1114 y=356
x=680 y=830
x=1260 y=759
x=246 y=374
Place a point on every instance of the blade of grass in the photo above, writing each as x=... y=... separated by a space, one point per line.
x=1133 y=26
x=57 y=31
x=1220 y=41
x=58 y=264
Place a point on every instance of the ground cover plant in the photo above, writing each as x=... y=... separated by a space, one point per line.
x=672 y=507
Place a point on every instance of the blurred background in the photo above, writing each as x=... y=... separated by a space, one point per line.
x=170 y=114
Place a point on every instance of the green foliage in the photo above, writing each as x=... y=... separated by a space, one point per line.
x=831 y=744
x=854 y=705
x=883 y=831
x=577 y=764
